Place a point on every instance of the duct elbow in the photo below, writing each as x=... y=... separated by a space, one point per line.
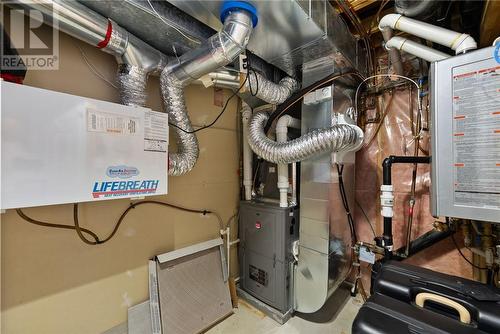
x=449 y=38
x=134 y=67
x=464 y=44
x=221 y=49
x=388 y=22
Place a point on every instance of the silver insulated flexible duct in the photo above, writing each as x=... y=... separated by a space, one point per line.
x=268 y=91
x=338 y=138
x=219 y=50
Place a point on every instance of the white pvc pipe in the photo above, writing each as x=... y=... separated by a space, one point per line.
x=246 y=114
x=449 y=38
x=282 y=126
x=415 y=49
x=394 y=55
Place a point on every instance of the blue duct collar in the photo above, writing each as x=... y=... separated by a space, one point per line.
x=228 y=6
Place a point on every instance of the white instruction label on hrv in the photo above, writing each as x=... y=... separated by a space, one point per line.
x=98 y=121
x=155 y=131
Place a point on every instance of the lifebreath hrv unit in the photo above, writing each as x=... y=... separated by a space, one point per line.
x=59 y=148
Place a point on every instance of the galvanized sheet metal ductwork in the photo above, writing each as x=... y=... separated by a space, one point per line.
x=136 y=58
x=291 y=32
x=341 y=137
x=218 y=51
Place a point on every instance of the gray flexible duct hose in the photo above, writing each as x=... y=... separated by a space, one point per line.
x=340 y=137
x=132 y=81
x=187 y=144
x=269 y=91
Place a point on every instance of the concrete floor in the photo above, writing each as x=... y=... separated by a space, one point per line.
x=333 y=319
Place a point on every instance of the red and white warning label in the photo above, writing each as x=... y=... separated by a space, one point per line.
x=476 y=135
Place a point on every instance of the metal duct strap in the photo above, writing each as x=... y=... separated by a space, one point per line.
x=270 y=92
x=342 y=137
x=218 y=51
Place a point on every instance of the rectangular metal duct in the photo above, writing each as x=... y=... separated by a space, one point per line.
x=290 y=33
x=324 y=237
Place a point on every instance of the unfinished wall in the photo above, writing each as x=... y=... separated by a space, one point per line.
x=391 y=135
x=54 y=283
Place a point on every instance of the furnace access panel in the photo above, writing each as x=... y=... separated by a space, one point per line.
x=466 y=136
x=60 y=148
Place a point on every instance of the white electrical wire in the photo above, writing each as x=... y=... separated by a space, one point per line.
x=171 y=25
x=93 y=69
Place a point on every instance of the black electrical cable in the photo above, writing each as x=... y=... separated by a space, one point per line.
x=250 y=69
x=366 y=218
x=218 y=116
x=62 y=226
x=80 y=231
x=345 y=202
x=462 y=254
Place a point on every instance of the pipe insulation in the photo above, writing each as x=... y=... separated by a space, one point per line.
x=219 y=50
x=341 y=137
x=416 y=49
x=269 y=91
x=449 y=38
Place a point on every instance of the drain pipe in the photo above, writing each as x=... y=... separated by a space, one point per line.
x=284 y=122
x=416 y=49
x=457 y=41
x=387 y=196
x=136 y=59
x=246 y=114
x=394 y=54
x=219 y=50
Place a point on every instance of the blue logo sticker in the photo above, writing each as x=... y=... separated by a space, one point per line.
x=496 y=52
x=124 y=188
x=122 y=172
